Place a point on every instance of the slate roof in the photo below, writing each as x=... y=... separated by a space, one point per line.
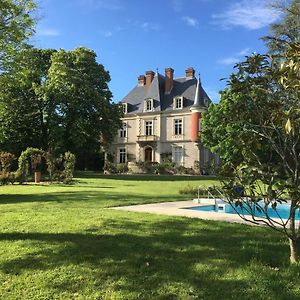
x=164 y=101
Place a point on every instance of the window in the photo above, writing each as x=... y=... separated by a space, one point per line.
x=122 y=155
x=148 y=127
x=178 y=101
x=178 y=155
x=178 y=126
x=123 y=131
x=124 y=108
x=148 y=105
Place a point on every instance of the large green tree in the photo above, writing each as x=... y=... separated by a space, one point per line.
x=16 y=25
x=57 y=100
x=287 y=30
x=255 y=129
x=84 y=109
x=23 y=103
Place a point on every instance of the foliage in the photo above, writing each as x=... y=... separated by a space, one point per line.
x=69 y=166
x=16 y=25
x=27 y=115
x=57 y=101
x=31 y=156
x=256 y=133
x=84 y=108
x=6 y=159
x=288 y=30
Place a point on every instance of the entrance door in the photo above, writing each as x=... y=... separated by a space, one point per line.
x=148 y=154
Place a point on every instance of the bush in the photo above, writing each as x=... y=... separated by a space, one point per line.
x=193 y=191
x=69 y=166
x=121 y=168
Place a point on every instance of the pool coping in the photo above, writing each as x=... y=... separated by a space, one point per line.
x=177 y=208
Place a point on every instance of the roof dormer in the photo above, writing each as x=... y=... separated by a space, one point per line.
x=178 y=102
x=148 y=105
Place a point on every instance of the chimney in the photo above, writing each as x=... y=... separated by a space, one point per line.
x=169 y=79
x=141 y=80
x=190 y=73
x=149 y=78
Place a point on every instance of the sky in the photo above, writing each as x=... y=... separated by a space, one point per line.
x=131 y=37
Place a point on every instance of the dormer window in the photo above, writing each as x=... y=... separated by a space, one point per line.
x=124 y=108
x=148 y=105
x=178 y=103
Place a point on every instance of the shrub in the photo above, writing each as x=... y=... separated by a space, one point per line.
x=121 y=168
x=193 y=191
x=69 y=166
x=6 y=159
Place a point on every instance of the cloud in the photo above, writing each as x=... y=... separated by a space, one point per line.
x=47 y=32
x=243 y=52
x=148 y=26
x=107 y=33
x=190 y=21
x=231 y=60
x=251 y=15
x=102 y=4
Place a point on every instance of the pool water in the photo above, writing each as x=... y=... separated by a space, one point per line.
x=283 y=210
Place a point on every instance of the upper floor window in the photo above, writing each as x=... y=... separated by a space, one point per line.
x=178 y=102
x=123 y=131
x=148 y=127
x=124 y=108
x=148 y=105
x=178 y=126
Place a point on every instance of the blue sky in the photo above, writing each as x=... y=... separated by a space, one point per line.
x=134 y=36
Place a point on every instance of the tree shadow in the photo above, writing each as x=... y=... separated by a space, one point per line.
x=145 y=177
x=171 y=252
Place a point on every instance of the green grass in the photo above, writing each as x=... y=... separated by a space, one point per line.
x=61 y=242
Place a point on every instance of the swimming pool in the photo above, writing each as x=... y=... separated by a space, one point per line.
x=283 y=210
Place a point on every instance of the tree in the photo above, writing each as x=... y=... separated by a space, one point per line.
x=23 y=103
x=259 y=118
x=57 y=101
x=16 y=25
x=287 y=31
x=84 y=110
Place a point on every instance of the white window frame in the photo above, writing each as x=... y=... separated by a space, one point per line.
x=124 y=108
x=123 y=131
x=148 y=105
x=122 y=155
x=174 y=126
x=176 y=101
x=149 y=126
x=174 y=154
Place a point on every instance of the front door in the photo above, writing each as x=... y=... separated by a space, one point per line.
x=148 y=154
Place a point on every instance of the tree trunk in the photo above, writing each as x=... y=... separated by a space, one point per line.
x=294 y=248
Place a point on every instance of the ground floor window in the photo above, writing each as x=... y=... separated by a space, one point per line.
x=122 y=155
x=178 y=155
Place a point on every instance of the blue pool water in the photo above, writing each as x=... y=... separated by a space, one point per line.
x=283 y=210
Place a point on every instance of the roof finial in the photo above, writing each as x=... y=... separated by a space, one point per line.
x=199 y=77
x=156 y=70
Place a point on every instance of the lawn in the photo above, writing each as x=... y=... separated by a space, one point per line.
x=62 y=242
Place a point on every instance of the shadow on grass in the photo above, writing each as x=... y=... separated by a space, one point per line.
x=103 y=199
x=144 y=177
x=157 y=255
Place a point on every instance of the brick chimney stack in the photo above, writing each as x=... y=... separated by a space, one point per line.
x=141 y=80
x=169 y=72
x=149 y=78
x=190 y=73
